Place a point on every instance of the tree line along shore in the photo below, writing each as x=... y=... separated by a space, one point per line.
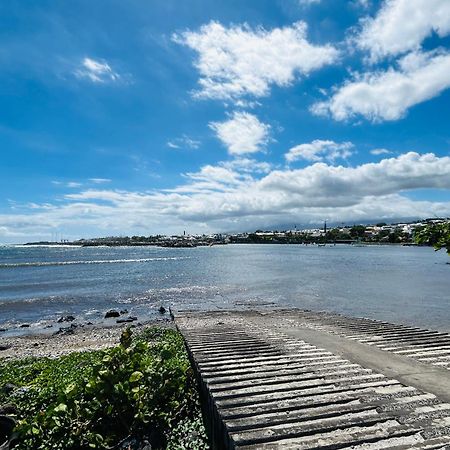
x=379 y=233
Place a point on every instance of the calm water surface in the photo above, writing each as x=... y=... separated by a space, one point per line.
x=399 y=284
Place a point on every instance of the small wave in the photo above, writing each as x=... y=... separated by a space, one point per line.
x=100 y=261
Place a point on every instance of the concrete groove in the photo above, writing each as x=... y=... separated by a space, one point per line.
x=269 y=381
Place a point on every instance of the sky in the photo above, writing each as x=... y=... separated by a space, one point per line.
x=155 y=117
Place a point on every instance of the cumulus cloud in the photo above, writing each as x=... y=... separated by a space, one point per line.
x=402 y=25
x=97 y=71
x=387 y=95
x=242 y=133
x=240 y=61
x=220 y=198
x=319 y=150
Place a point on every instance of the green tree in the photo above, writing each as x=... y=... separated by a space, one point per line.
x=357 y=231
x=436 y=234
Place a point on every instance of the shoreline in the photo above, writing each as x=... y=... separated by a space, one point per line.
x=80 y=339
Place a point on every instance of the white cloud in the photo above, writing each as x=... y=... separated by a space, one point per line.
x=362 y=3
x=239 y=61
x=100 y=180
x=97 y=71
x=247 y=165
x=242 y=133
x=372 y=191
x=380 y=151
x=402 y=25
x=319 y=150
x=69 y=184
x=184 y=142
x=387 y=95
x=309 y=2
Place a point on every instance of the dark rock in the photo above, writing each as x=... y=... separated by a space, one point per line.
x=2 y=330
x=25 y=325
x=128 y=319
x=66 y=330
x=123 y=311
x=124 y=320
x=112 y=313
x=4 y=347
x=8 y=410
x=66 y=319
x=89 y=323
x=146 y=446
x=49 y=326
x=162 y=310
x=7 y=425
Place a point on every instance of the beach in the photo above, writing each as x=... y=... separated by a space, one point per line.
x=82 y=338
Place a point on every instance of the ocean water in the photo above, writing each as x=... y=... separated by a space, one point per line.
x=399 y=284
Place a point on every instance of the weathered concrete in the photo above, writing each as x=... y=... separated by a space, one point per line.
x=303 y=380
x=399 y=366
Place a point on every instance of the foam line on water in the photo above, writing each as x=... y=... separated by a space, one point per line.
x=100 y=261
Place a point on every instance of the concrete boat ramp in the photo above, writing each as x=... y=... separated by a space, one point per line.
x=291 y=379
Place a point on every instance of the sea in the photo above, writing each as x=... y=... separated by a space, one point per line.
x=40 y=284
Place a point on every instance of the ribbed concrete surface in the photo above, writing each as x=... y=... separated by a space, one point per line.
x=423 y=345
x=265 y=386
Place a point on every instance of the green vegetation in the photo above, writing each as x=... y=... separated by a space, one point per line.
x=142 y=389
x=437 y=235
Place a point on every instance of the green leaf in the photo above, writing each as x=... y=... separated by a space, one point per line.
x=136 y=376
x=62 y=407
x=70 y=389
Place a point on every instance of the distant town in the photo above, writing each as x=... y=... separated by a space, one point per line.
x=379 y=233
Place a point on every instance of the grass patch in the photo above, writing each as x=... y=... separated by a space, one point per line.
x=142 y=389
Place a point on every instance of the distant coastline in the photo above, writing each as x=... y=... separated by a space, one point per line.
x=377 y=234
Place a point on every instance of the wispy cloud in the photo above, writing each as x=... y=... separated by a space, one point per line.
x=309 y=2
x=96 y=71
x=184 y=142
x=242 y=133
x=247 y=165
x=319 y=150
x=380 y=151
x=100 y=180
x=69 y=184
x=240 y=61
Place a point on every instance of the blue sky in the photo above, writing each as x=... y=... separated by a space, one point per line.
x=145 y=117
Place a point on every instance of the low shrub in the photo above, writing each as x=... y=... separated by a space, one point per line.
x=142 y=389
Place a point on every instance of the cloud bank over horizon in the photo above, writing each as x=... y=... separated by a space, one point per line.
x=229 y=198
